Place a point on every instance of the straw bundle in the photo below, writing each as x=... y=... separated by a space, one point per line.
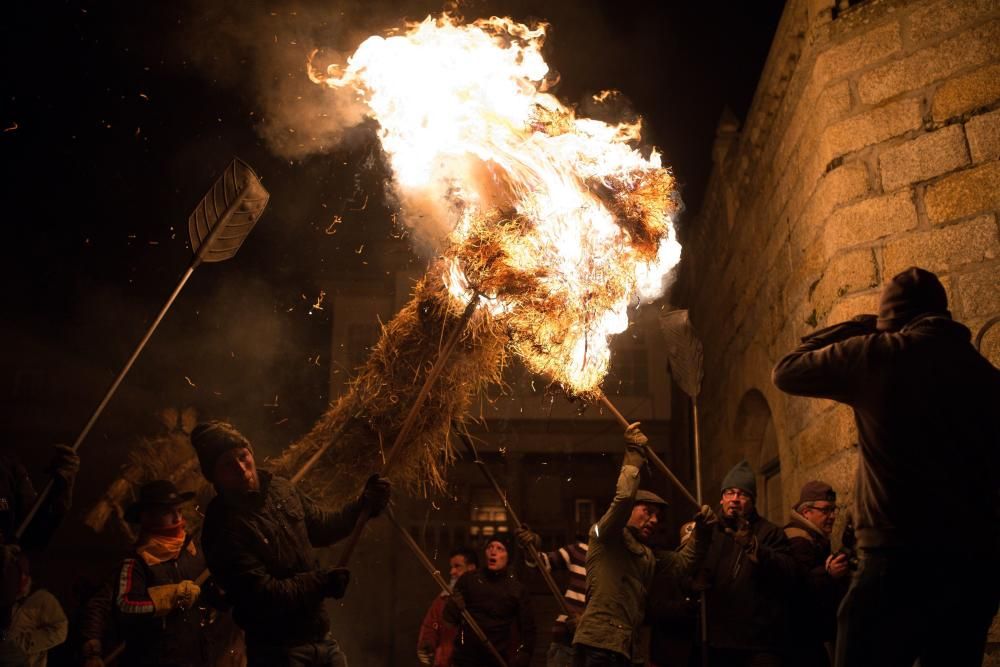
x=380 y=396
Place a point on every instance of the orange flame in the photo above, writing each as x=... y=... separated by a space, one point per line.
x=557 y=221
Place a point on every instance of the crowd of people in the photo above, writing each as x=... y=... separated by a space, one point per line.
x=739 y=590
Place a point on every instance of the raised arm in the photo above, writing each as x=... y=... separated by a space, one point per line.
x=829 y=363
x=327 y=527
x=610 y=526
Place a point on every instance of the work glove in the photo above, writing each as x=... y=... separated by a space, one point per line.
x=376 y=494
x=337 y=579
x=168 y=597
x=65 y=464
x=528 y=538
x=635 y=446
x=704 y=523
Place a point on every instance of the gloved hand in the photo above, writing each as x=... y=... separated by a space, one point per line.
x=635 y=450
x=337 y=579
x=457 y=598
x=743 y=536
x=704 y=523
x=65 y=464
x=168 y=597
x=376 y=494
x=187 y=594
x=527 y=538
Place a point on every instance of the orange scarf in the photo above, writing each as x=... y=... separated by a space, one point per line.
x=163 y=545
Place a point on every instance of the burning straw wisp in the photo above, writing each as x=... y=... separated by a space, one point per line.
x=555 y=222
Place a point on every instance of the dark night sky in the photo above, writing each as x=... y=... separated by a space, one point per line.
x=120 y=115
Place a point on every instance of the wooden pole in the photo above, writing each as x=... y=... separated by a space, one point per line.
x=411 y=416
x=650 y=454
x=439 y=580
x=512 y=515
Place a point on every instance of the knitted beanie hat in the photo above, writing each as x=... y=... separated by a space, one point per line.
x=213 y=439
x=741 y=477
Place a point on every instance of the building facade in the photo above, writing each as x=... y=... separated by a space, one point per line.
x=871 y=145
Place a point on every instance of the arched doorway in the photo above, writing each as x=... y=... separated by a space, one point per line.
x=754 y=429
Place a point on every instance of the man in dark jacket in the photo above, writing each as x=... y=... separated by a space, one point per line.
x=926 y=406
x=156 y=597
x=500 y=604
x=748 y=572
x=813 y=616
x=259 y=535
x=621 y=567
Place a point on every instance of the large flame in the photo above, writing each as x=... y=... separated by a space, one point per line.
x=558 y=222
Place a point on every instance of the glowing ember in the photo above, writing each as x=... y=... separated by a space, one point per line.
x=558 y=221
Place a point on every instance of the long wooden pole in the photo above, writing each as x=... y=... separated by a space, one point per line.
x=512 y=515
x=404 y=430
x=650 y=454
x=439 y=580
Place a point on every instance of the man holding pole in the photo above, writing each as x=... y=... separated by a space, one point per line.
x=621 y=567
x=259 y=535
x=748 y=572
x=926 y=407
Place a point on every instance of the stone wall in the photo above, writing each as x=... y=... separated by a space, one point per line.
x=872 y=144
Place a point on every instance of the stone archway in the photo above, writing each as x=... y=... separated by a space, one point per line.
x=754 y=430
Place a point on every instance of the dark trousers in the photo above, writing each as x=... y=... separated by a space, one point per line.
x=325 y=653
x=589 y=656
x=903 y=606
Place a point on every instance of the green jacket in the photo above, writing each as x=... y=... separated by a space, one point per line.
x=620 y=572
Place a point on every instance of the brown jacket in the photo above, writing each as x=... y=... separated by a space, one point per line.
x=927 y=406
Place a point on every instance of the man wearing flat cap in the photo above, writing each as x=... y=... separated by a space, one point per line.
x=259 y=536
x=621 y=566
x=824 y=576
x=926 y=407
x=157 y=598
x=748 y=572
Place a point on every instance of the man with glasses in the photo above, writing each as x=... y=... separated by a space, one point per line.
x=813 y=621
x=748 y=572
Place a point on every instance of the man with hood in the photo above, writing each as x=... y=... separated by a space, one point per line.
x=259 y=535
x=157 y=595
x=500 y=604
x=436 y=640
x=926 y=406
x=813 y=618
x=621 y=566
x=748 y=572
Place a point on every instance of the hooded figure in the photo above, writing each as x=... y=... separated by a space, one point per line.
x=927 y=408
x=500 y=604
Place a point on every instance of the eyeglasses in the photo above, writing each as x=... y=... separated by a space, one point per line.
x=735 y=493
x=827 y=509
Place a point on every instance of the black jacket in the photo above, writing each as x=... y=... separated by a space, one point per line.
x=260 y=550
x=927 y=406
x=177 y=639
x=746 y=599
x=501 y=606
